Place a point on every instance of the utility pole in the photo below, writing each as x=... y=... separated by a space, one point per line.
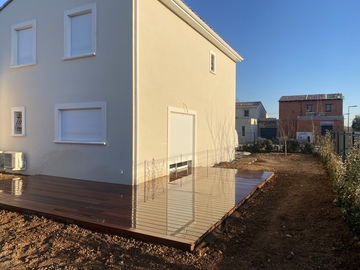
x=349 y=116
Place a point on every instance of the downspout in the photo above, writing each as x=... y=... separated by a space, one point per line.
x=135 y=72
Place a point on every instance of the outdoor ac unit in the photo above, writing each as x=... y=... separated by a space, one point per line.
x=14 y=161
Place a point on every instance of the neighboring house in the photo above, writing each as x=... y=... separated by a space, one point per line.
x=268 y=128
x=118 y=91
x=247 y=115
x=306 y=116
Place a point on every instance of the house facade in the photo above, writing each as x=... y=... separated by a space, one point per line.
x=247 y=115
x=306 y=116
x=114 y=91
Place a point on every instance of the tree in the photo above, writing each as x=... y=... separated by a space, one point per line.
x=286 y=131
x=356 y=123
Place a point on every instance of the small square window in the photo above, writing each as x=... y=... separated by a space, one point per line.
x=246 y=113
x=309 y=108
x=18 y=121
x=80 y=32
x=212 y=62
x=23 y=44
x=328 y=108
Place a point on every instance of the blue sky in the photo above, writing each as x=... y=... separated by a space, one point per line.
x=290 y=47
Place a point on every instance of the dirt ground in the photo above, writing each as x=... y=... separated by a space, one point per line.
x=291 y=223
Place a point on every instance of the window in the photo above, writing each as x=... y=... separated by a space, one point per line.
x=309 y=108
x=80 y=123
x=328 y=108
x=23 y=44
x=246 y=113
x=80 y=32
x=212 y=62
x=18 y=121
x=243 y=131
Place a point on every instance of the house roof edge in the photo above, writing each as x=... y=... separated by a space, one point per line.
x=192 y=19
x=5 y=4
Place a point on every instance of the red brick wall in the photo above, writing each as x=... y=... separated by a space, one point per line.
x=293 y=109
x=290 y=110
x=314 y=126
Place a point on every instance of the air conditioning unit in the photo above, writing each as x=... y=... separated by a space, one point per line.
x=14 y=161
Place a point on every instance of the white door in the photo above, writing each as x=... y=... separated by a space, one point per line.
x=181 y=140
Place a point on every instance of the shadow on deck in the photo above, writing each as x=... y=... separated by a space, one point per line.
x=179 y=213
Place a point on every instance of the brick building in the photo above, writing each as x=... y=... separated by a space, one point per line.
x=306 y=116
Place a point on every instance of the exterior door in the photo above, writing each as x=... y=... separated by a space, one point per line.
x=181 y=141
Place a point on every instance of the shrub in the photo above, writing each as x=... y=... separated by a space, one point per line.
x=268 y=145
x=293 y=146
x=346 y=180
x=258 y=145
x=326 y=147
x=308 y=148
x=348 y=188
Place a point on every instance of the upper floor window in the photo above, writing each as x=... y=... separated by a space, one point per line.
x=328 y=108
x=23 y=44
x=246 y=113
x=309 y=108
x=80 y=32
x=212 y=62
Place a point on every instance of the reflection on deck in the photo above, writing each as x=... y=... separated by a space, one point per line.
x=178 y=213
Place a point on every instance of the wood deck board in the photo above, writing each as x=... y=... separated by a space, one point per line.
x=178 y=213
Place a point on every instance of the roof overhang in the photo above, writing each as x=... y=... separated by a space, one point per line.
x=5 y=4
x=192 y=19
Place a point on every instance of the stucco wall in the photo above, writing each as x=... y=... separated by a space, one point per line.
x=174 y=72
x=104 y=77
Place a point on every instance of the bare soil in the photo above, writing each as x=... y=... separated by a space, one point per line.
x=291 y=223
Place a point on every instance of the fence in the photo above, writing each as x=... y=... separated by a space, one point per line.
x=344 y=141
x=155 y=168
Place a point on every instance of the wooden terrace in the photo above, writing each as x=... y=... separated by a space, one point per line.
x=178 y=213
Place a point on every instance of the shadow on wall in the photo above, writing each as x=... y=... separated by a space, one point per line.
x=222 y=131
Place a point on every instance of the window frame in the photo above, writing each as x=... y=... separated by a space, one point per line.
x=59 y=108
x=14 y=111
x=309 y=107
x=15 y=29
x=212 y=62
x=246 y=113
x=328 y=107
x=68 y=15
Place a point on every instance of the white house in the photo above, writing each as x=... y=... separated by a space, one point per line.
x=114 y=91
x=247 y=115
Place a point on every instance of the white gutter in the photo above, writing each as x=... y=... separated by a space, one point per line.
x=192 y=19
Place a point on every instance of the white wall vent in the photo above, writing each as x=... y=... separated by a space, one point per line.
x=14 y=161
